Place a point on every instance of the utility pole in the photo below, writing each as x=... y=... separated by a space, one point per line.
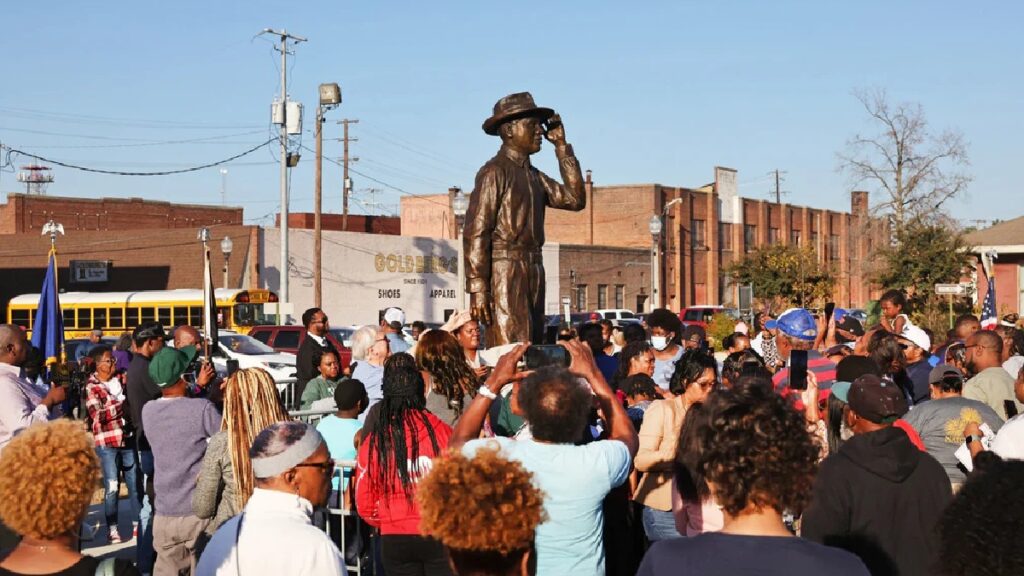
x=347 y=183
x=285 y=37
x=778 y=181
x=317 y=231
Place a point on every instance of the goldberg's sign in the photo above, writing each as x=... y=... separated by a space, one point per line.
x=85 y=271
x=415 y=264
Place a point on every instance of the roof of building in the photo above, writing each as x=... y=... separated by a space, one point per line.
x=1007 y=236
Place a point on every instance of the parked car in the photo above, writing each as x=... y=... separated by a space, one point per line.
x=251 y=353
x=289 y=338
x=619 y=316
x=701 y=315
x=71 y=346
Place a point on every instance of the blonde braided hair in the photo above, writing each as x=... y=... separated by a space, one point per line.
x=251 y=403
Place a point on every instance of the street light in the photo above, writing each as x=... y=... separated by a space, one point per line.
x=330 y=97
x=460 y=203
x=225 y=247
x=654 y=225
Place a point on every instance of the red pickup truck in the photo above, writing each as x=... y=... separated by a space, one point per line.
x=289 y=338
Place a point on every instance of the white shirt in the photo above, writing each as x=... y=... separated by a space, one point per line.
x=1013 y=365
x=321 y=340
x=1009 y=441
x=277 y=539
x=18 y=409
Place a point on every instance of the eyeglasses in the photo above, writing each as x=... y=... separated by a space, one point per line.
x=325 y=467
x=322 y=321
x=107 y=361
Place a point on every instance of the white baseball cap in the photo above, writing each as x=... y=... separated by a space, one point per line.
x=394 y=316
x=917 y=336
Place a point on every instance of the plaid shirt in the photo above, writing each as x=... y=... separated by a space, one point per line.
x=106 y=412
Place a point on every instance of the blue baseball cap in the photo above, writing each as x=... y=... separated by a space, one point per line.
x=795 y=322
x=841 y=390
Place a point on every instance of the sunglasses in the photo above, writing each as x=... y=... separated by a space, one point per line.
x=325 y=467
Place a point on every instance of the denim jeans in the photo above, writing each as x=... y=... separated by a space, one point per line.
x=117 y=461
x=145 y=557
x=659 y=524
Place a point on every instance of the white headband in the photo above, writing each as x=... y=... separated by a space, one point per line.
x=270 y=466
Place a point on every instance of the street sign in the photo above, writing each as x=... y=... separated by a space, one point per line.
x=951 y=289
x=89 y=271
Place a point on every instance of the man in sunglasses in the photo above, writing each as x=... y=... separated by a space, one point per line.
x=916 y=349
x=941 y=421
x=274 y=533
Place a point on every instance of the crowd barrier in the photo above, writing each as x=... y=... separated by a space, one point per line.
x=311 y=417
x=287 y=393
x=354 y=543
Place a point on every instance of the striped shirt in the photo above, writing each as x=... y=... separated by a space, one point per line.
x=823 y=368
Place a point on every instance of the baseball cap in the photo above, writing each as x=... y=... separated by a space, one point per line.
x=876 y=400
x=943 y=370
x=169 y=364
x=395 y=317
x=916 y=336
x=850 y=324
x=795 y=322
x=841 y=390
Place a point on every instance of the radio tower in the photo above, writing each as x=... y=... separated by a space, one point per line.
x=36 y=178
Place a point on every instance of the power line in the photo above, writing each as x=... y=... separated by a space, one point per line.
x=86 y=119
x=15 y=151
x=207 y=139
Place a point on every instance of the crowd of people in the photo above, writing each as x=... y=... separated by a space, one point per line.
x=884 y=450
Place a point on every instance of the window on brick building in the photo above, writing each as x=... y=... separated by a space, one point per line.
x=749 y=237
x=725 y=236
x=833 y=247
x=794 y=237
x=773 y=236
x=697 y=235
x=620 y=296
x=602 y=296
x=581 y=297
x=814 y=240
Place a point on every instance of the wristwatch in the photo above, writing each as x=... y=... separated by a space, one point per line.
x=972 y=438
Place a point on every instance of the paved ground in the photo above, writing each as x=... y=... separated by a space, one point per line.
x=99 y=545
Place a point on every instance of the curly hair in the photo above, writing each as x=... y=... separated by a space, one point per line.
x=48 y=475
x=668 y=321
x=689 y=368
x=734 y=363
x=977 y=534
x=555 y=404
x=485 y=509
x=756 y=451
x=885 y=350
x=439 y=353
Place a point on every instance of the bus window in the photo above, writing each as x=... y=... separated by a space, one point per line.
x=251 y=315
x=20 y=318
x=147 y=314
x=163 y=316
x=99 y=318
x=69 y=318
x=195 y=316
x=223 y=314
x=115 y=318
x=131 y=317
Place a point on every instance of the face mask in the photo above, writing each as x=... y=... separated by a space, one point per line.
x=659 y=342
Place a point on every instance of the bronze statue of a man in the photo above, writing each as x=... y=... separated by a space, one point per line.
x=504 y=230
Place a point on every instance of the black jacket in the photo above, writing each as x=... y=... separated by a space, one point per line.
x=880 y=498
x=305 y=365
x=140 y=389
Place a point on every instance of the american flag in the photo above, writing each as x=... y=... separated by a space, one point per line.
x=988 y=309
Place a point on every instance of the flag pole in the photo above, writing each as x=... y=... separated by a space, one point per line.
x=204 y=237
x=53 y=229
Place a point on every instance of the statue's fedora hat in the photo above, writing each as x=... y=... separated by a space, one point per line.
x=518 y=105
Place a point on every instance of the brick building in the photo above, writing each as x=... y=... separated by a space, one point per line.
x=23 y=213
x=389 y=225
x=705 y=229
x=143 y=245
x=1007 y=239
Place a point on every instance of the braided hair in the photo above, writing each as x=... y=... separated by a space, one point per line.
x=439 y=353
x=394 y=444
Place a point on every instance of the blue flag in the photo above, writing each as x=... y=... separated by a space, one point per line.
x=48 y=327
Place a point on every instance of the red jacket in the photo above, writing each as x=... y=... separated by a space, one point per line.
x=392 y=512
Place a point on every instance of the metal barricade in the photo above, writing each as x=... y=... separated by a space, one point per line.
x=311 y=417
x=287 y=392
x=353 y=542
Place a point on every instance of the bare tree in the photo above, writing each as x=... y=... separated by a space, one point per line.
x=913 y=169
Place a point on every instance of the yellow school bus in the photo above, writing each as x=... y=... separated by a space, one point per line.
x=238 y=310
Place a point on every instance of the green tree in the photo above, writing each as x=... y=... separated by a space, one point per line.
x=923 y=254
x=785 y=275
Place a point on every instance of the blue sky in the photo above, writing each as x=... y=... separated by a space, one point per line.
x=649 y=91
